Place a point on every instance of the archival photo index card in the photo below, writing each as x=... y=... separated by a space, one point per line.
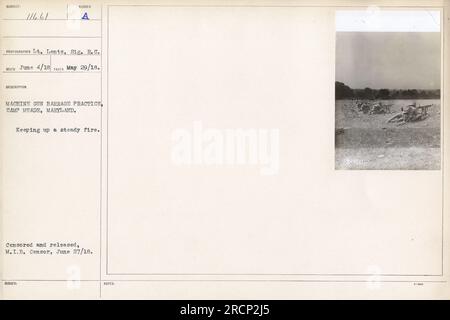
x=224 y=149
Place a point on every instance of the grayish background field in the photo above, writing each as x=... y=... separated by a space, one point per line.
x=369 y=142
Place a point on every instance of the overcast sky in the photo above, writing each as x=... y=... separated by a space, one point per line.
x=393 y=60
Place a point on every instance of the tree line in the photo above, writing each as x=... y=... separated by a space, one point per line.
x=345 y=92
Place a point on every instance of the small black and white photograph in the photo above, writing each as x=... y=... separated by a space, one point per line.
x=387 y=90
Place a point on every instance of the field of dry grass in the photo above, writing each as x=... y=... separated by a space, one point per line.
x=368 y=141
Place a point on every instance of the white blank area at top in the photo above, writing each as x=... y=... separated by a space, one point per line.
x=373 y=19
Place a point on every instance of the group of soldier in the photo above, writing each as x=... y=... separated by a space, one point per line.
x=412 y=112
